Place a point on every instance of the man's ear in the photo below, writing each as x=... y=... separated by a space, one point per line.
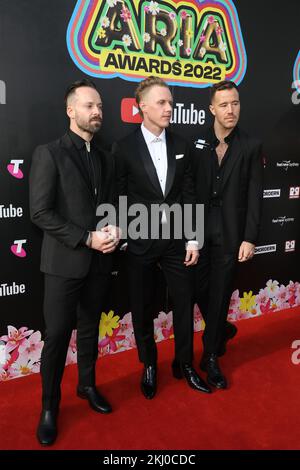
x=70 y=111
x=142 y=106
x=212 y=109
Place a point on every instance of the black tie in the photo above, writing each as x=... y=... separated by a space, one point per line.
x=90 y=166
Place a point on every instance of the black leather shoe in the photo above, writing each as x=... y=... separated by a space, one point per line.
x=230 y=332
x=47 y=429
x=209 y=363
x=96 y=401
x=186 y=371
x=148 y=383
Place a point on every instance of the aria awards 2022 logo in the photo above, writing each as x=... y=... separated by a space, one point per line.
x=192 y=43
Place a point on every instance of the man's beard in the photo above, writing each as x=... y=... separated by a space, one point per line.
x=92 y=126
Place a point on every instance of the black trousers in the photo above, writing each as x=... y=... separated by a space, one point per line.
x=67 y=303
x=214 y=275
x=141 y=272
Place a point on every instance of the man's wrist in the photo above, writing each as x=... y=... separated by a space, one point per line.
x=89 y=240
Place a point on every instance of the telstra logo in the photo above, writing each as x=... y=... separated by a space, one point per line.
x=17 y=248
x=14 y=168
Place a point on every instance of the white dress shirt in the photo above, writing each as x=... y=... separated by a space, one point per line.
x=157 y=147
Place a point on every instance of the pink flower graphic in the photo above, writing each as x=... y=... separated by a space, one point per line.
x=111 y=341
x=15 y=337
x=183 y=14
x=125 y=15
x=32 y=346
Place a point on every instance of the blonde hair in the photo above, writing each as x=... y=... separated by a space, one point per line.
x=145 y=85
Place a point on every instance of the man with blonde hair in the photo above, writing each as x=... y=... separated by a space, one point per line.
x=153 y=168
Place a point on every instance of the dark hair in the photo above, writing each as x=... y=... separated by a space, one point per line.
x=223 y=85
x=85 y=82
x=145 y=85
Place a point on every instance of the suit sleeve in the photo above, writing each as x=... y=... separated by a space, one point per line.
x=255 y=190
x=189 y=195
x=42 y=196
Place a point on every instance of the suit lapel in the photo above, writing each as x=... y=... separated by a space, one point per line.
x=235 y=154
x=171 y=163
x=147 y=162
x=101 y=170
x=68 y=145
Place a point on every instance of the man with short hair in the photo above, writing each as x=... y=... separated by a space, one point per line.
x=153 y=168
x=227 y=167
x=69 y=178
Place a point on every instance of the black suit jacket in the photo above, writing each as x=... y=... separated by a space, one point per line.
x=241 y=191
x=137 y=178
x=63 y=206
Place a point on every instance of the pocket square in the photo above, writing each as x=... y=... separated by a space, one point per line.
x=181 y=155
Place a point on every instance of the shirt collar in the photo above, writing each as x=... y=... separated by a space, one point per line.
x=149 y=137
x=78 y=141
x=215 y=141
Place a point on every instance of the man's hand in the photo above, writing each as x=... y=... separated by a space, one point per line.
x=113 y=231
x=191 y=257
x=103 y=241
x=246 y=251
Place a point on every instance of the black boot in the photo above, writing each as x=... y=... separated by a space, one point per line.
x=47 y=428
x=96 y=401
x=209 y=363
x=192 y=378
x=148 y=382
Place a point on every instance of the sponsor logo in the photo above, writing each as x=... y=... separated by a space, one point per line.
x=272 y=193
x=259 y=250
x=188 y=43
x=286 y=164
x=130 y=111
x=11 y=289
x=180 y=115
x=10 y=212
x=2 y=92
x=290 y=245
x=294 y=192
x=191 y=115
x=283 y=220
x=17 y=248
x=14 y=168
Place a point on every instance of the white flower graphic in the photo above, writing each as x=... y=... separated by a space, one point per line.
x=105 y=22
x=154 y=8
x=111 y=3
x=126 y=40
x=223 y=46
x=146 y=37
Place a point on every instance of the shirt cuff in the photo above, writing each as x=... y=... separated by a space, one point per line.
x=192 y=245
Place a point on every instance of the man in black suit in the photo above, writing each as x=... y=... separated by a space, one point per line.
x=227 y=166
x=69 y=178
x=153 y=168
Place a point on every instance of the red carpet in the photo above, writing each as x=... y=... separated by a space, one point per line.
x=260 y=410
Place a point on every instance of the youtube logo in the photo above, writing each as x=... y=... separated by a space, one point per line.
x=130 y=111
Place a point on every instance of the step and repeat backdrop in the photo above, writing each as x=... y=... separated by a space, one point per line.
x=44 y=46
